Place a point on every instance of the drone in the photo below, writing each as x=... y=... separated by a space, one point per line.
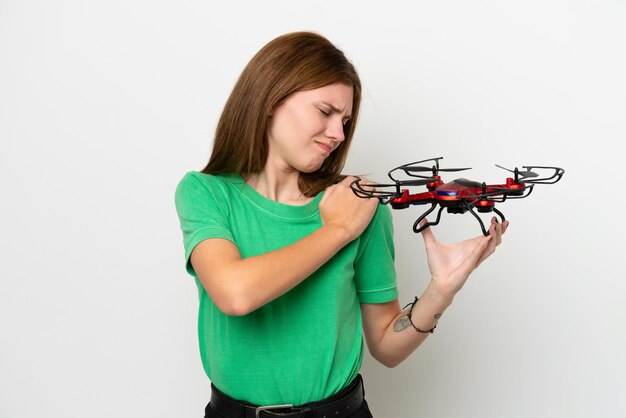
x=458 y=196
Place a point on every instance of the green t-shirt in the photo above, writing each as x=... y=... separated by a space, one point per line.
x=307 y=344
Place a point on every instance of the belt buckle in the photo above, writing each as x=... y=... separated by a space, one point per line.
x=264 y=408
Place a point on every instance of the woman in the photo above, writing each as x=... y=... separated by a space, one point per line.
x=292 y=268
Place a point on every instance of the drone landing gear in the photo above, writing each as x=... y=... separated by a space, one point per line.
x=480 y=221
x=417 y=228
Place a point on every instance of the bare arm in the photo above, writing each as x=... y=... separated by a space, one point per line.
x=239 y=286
x=389 y=334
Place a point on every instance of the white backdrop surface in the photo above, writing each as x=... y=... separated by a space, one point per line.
x=105 y=105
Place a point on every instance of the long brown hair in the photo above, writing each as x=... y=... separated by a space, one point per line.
x=292 y=62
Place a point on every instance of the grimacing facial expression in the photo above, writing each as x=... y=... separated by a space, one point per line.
x=307 y=127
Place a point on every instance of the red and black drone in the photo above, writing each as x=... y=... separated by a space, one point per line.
x=458 y=196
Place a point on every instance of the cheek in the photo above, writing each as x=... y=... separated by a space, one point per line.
x=287 y=124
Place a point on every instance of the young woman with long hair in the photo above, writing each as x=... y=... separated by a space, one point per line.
x=292 y=268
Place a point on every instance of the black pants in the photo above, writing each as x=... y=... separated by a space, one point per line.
x=362 y=412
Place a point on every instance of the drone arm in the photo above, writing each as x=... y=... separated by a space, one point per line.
x=527 y=187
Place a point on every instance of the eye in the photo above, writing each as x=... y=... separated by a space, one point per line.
x=324 y=112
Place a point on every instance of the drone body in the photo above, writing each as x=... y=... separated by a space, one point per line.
x=458 y=196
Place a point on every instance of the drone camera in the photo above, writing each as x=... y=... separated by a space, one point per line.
x=458 y=211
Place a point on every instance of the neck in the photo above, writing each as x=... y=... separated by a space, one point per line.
x=279 y=186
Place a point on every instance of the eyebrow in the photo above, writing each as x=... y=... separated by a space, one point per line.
x=347 y=117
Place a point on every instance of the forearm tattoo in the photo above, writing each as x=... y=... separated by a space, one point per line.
x=404 y=321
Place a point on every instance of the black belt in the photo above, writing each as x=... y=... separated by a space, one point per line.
x=340 y=405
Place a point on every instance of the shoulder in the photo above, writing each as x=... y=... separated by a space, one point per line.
x=380 y=228
x=197 y=177
x=382 y=215
x=193 y=180
x=196 y=189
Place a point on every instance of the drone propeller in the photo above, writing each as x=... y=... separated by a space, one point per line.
x=411 y=168
x=419 y=182
x=522 y=173
x=433 y=168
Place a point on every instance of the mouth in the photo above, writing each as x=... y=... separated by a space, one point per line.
x=327 y=148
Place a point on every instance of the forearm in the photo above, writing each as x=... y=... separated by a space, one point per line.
x=257 y=280
x=400 y=338
x=394 y=338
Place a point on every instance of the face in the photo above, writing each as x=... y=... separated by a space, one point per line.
x=308 y=126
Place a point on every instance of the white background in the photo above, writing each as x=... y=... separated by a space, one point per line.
x=104 y=105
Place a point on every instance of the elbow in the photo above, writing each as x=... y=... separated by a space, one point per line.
x=231 y=299
x=235 y=302
x=234 y=306
x=389 y=361
x=233 y=310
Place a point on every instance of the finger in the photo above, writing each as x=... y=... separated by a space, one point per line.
x=348 y=180
x=365 y=185
x=491 y=247
x=328 y=192
x=332 y=188
x=427 y=233
x=498 y=231
x=488 y=249
x=478 y=254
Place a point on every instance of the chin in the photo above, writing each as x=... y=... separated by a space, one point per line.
x=311 y=166
x=309 y=170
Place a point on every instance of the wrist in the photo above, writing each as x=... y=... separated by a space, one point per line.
x=339 y=232
x=436 y=296
x=426 y=310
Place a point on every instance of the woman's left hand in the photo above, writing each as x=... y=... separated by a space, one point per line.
x=451 y=264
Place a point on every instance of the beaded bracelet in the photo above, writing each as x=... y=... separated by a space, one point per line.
x=410 y=314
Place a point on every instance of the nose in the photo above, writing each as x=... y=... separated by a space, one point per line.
x=334 y=130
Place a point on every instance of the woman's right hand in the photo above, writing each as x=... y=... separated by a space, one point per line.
x=340 y=207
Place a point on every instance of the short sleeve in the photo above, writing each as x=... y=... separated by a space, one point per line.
x=200 y=214
x=375 y=272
